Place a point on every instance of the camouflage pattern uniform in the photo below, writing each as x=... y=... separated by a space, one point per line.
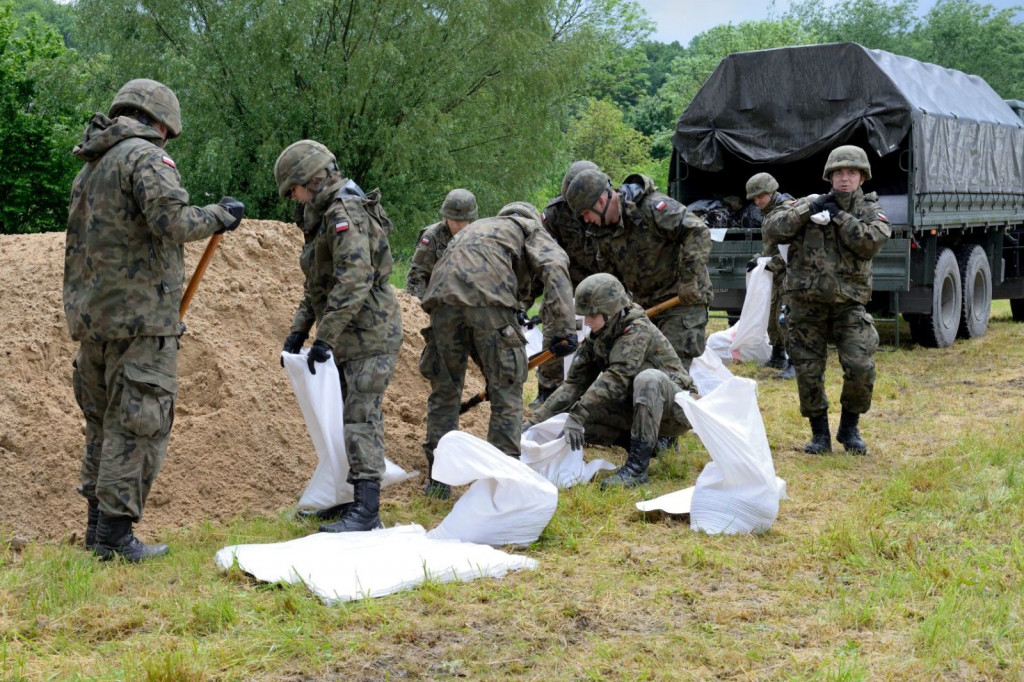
x=472 y=298
x=658 y=250
x=776 y=266
x=431 y=245
x=622 y=383
x=347 y=262
x=124 y=271
x=828 y=281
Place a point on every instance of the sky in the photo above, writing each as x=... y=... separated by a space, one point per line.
x=683 y=19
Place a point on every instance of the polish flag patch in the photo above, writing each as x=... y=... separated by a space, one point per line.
x=660 y=206
x=543 y=216
x=425 y=241
x=341 y=227
x=169 y=161
x=882 y=216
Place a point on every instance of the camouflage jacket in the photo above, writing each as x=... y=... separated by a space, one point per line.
x=347 y=262
x=658 y=249
x=430 y=246
x=124 y=263
x=570 y=233
x=491 y=261
x=606 y=364
x=830 y=263
x=777 y=265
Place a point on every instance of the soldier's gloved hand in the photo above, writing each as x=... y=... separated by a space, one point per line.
x=293 y=343
x=832 y=207
x=236 y=208
x=573 y=433
x=562 y=346
x=521 y=318
x=751 y=264
x=818 y=204
x=320 y=352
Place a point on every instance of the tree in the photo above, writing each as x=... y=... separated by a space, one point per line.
x=601 y=135
x=42 y=105
x=415 y=97
x=55 y=15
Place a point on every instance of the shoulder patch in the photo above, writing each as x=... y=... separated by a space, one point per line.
x=340 y=226
x=627 y=329
x=425 y=241
x=543 y=216
x=169 y=161
x=882 y=216
x=660 y=206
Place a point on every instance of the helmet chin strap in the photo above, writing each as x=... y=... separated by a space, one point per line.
x=604 y=211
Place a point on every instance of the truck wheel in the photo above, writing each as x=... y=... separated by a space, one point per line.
x=1017 y=309
x=938 y=328
x=976 y=286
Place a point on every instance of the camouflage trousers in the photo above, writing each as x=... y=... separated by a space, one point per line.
x=363 y=383
x=493 y=335
x=776 y=332
x=651 y=413
x=685 y=327
x=126 y=389
x=810 y=326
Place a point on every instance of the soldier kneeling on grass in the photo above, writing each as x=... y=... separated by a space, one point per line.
x=623 y=381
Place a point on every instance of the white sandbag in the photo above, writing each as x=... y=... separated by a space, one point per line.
x=341 y=567
x=673 y=503
x=508 y=503
x=319 y=397
x=738 y=491
x=707 y=371
x=545 y=451
x=747 y=340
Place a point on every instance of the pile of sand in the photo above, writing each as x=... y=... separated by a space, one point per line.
x=239 y=443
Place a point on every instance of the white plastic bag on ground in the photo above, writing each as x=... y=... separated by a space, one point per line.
x=545 y=451
x=508 y=503
x=319 y=397
x=707 y=371
x=738 y=491
x=346 y=566
x=747 y=340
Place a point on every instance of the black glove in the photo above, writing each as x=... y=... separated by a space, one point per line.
x=293 y=343
x=521 y=318
x=818 y=205
x=751 y=264
x=832 y=207
x=236 y=208
x=573 y=433
x=320 y=352
x=562 y=346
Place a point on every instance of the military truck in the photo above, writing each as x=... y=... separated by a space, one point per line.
x=947 y=161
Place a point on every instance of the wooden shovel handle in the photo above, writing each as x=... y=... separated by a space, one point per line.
x=197 y=276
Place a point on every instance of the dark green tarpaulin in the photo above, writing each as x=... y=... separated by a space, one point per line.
x=788 y=104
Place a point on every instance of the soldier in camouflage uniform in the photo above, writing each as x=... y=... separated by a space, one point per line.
x=347 y=261
x=832 y=238
x=570 y=233
x=763 y=190
x=457 y=211
x=655 y=247
x=472 y=298
x=124 y=271
x=622 y=383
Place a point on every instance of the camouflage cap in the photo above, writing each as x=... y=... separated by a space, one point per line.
x=521 y=208
x=847 y=156
x=601 y=294
x=585 y=189
x=460 y=204
x=762 y=183
x=154 y=99
x=574 y=170
x=299 y=162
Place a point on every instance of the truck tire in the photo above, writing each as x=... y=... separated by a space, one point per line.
x=1017 y=309
x=976 y=289
x=938 y=328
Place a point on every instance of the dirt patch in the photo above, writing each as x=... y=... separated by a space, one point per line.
x=239 y=444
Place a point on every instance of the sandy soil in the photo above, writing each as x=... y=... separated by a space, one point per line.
x=239 y=444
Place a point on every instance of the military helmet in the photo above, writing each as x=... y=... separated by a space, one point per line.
x=762 y=183
x=522 y=209
x=601 y=294
x=460 y=204
x=299 y=162
x=154 y=99
x=847 y=156
x=585 y=189
x=575 y=169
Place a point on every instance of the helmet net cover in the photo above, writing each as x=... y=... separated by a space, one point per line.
x=762 y=183
x=154 y=99
x=585 y=189
x=601 y=294
x=299 y=162
x=460 y=204
x=847 y=156
x=575 y=169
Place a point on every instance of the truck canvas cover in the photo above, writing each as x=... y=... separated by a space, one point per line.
x=755 y=106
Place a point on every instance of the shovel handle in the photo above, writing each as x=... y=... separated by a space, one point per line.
x=197 y=276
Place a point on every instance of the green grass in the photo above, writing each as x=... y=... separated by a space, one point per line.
x=906 y=564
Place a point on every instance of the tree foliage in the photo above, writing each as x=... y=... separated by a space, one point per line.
x=601 y=135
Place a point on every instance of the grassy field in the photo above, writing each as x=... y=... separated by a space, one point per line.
x=906 y=564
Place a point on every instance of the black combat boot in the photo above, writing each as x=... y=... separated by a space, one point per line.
x=788 y=373
x=666 y=444
x=362 y=515
x=92 y=518
x=779 y=359
x=114 y=538
x=543 y=393
x=329 y=514
x=821 y=438
x=849 y=435
x=634 y=471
